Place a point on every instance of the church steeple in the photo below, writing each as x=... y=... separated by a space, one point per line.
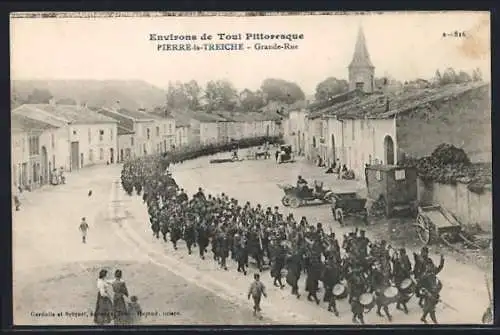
x=361 y=57
x=361 y=69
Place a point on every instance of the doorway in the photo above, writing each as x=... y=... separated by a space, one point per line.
x=74 y=156
x=45 y=166
x=111 y=155
x=389 y=150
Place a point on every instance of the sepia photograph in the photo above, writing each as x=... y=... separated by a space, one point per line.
x=251 y=168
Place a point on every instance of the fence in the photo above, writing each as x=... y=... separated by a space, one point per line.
x=467 y=206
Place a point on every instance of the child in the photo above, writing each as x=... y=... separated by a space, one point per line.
x=257 y=290
x=134 y=310
x=84 y=227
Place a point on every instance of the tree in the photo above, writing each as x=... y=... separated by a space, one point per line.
x=193 y=94
x=330 y=87
x=449 y=76
x=176 y=96
x=251 y=101
x=220 y=95
x=66 y=101
x=39 y=96
x=463 y=77
x=281 y=90
x=477 y=75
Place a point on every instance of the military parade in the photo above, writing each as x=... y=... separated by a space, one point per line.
x=344 y=181
x=366 y=273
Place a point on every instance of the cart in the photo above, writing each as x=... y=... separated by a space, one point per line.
x=435 y=223
x=348 y=204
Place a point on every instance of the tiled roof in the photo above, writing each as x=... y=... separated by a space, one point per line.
x=20 y=123
x=73 y=114
x=137 y=115
x=31 y=112
x=123 y=121
x=375 y=105
x=124 y=131
x=206 y=117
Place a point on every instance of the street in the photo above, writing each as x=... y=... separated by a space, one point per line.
x=53 y=270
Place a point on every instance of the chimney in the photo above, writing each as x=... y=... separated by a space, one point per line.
x=141 y=109
x=387 y=104
x=52 y=101
x=116 y=105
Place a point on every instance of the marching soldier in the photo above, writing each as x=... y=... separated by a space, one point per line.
x=189 y=234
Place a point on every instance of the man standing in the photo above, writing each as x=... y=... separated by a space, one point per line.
x=84 y=227
x=257 y=290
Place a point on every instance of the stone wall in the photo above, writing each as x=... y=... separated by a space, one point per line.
x=467 y=206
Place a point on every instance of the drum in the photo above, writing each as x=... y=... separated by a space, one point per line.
x=391 y=295
x=407 y=287
x=340 y=291
x=367 y=300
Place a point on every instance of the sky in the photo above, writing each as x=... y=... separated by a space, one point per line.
x=403 y=45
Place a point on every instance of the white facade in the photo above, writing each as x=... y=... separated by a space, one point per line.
x=181 y=136
x=97 y=143
x=294 y=129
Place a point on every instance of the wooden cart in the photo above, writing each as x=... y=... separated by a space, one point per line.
x=435 y=223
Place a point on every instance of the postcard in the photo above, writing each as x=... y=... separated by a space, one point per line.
x=315 y=168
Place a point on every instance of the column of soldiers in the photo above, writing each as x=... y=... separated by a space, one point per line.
x=369 y=274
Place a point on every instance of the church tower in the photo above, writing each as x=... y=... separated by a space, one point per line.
x=361 y=69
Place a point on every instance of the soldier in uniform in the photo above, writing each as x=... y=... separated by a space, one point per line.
x=175 y=230
x=203 y=238
x=402 y=271
x=431 y=299
x=189 y=234
x=278 y=264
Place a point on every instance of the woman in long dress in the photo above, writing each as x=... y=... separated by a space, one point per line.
x=119 y=304
x=104 y=306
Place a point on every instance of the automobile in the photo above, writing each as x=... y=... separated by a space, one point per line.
x=295 y=197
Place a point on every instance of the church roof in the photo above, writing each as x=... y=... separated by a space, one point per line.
x=361 y=57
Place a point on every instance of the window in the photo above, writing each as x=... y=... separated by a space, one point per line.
x=91 y=155
x=170 y=128
x=148 y=134
x=74 y=132
x=52 y=141
x=360 y=85
x=399 y=174
x=111 y=134
x=157 y=131
x=132 y=141
x=378 y=175
x=33 y=146
x=165 y=128
x=101 y=135
x=101 y=154
x=24 y=145
x=90 y=136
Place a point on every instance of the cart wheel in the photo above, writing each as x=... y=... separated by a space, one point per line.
x=426 y=230
x=294 y=202
x=339 y=216
x=285 y=201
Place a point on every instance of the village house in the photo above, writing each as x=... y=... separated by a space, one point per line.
x=31 y=165
x=145 y=140
x=207 y=128
x=165 y=129
x=81 y=137
x=182 y=127
x=294 y=130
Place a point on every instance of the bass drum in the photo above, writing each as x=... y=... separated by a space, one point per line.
x=390 y=295
x=340 y=291
x=367 y=301
x=407 y=287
